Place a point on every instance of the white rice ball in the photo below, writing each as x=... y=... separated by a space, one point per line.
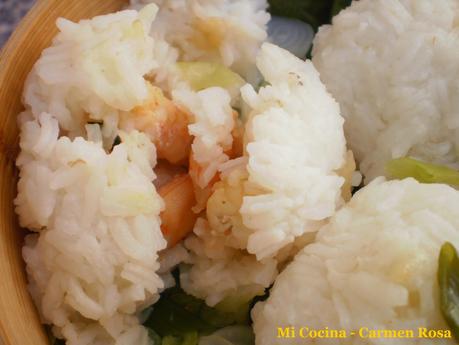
x=227 y=31
x=295 y=145
x=374 y=265
x=269 y=202
x=393 y=67
x=93 y=70
x=93 y=263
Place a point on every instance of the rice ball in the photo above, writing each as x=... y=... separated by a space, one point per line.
x=295 y=148
x=94 y=70
x=92 y=261
x=393 y=67
x=270 y=202
x=226 y=31
x=373 y=266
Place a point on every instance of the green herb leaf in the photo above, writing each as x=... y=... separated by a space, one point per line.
x=448 y=280
x=154 y=337
x=191 y=338
x=177 y=314
x=401 y=168
x=339 y=5
x=231 y=335
x=170 y=340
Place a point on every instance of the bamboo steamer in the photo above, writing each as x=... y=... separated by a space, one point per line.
x=19 y=322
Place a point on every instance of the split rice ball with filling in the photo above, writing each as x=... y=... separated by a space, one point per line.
x=270 y=202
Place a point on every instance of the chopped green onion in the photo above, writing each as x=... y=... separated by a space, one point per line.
x=401 y=168
x=448 y=280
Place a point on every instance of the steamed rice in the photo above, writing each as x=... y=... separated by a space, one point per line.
x=220 y=272
x=94 y=70
x=258 y=214
x=295 y=145
x=393 y=65
x=374 y=265
x=211 y=127
x=226 y=31
x=97 y=256
x=92 y=263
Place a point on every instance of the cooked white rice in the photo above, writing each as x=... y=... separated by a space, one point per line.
x=92 y=263
x=220 y=272
x=221 y=269
x=94 y=70
x=295 y=144
x=211 y=127
x=169 y=259
x=284 y=187
x=373 y=266
x=227 y=31
x=393 y=67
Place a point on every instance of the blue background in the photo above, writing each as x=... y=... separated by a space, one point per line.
x=11 y=12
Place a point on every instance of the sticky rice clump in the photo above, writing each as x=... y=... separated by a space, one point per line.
x=226 y=31
x=220 y=272
x=393 y=67
x=92 y=263
x=374 y=265
x=211 y=126
x=221 y=269
x=94 y=70
x=270 y=200
x=295 y=144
